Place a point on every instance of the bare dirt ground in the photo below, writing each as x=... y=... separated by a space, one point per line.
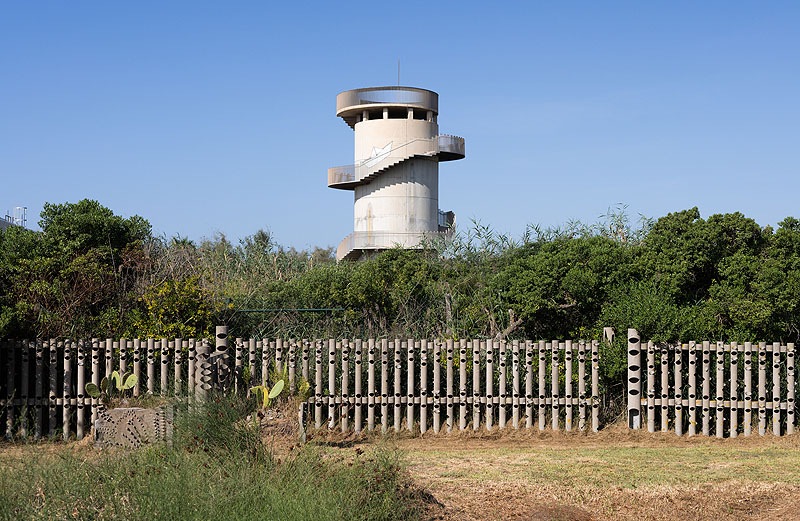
x=614 y=474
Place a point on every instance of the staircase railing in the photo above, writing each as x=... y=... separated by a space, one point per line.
x=452 y=145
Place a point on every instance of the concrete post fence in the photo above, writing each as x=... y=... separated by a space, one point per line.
x=416 y=385
x=634 y=380
x=711 y=384
x=412 y=385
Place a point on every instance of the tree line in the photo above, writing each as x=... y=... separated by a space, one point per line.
x=91 y=273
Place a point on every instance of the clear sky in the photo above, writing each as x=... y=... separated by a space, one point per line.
x=208 y=117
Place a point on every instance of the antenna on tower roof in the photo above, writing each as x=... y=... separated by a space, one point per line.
x=398 y=72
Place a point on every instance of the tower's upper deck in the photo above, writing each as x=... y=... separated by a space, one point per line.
x=352 y=103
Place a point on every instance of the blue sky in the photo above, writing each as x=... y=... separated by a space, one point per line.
x=220 y=117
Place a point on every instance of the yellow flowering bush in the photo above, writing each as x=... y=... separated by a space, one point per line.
x=175 y=309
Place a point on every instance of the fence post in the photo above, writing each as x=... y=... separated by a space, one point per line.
x=528 y=384
x=202 y=382
x=137 y=363
x=221 y=356
x=692 y=388
x=398 y=393
x=95 y=375
x=790 y=388
x=501 y=413
x=581 y=385
x=706 y=387
x=52 y=371
x=720 y=396
x=345 y=385
x=410 y=386
x=252 y=349
x=514 y=384
x=305 y=354
x=762 y=388
x=489 y=383
x=358 y=391
x=423 y=386
x=24 y=395
x=5 y=383
x=81 y=413
x=437 y=386
x=384 y=385
x=190 y=376
x=177 y=364
x=476 y=384
x=238 y=367
x=634 y=380
x=39 y=393
x=371 y=384
x=109 y=353
x=292 y=362
x=748 y=388
x=678 y=382
x=449 y=384
x=568 y=385
x=66 y=397
x=301 y=418
x=164 y=374
x=21 y=393
x=279 y=355
x=462 y=384
x=554 y=387
x=331 y=381
x=776 y=389
x=10 y=350
x=734 y=410
x=266 y=353
x=542 y=383
x=664 y=387
x=595 y=386
x=651 y=387
x=151 y=365
x=317 y=381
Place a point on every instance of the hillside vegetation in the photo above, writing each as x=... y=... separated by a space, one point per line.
x=89 y=272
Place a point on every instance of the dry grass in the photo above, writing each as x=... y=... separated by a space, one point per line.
x=528 y=475
x=614 y=474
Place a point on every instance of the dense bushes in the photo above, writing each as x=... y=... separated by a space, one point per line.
x=73 y=277
x=89 y=272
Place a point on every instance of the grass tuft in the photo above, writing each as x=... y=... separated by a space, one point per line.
x=217 y=468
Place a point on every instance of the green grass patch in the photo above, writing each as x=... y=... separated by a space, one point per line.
x=217 y=469
x=626 y=467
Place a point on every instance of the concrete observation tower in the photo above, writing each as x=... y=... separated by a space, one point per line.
x=396 y=172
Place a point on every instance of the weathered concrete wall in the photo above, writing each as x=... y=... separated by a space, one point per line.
x=403 y=199
x=132 y=427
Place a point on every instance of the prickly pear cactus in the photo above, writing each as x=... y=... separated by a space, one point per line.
x=133 y=427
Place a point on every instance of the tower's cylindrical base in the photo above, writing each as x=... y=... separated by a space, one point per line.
x=404 y=199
